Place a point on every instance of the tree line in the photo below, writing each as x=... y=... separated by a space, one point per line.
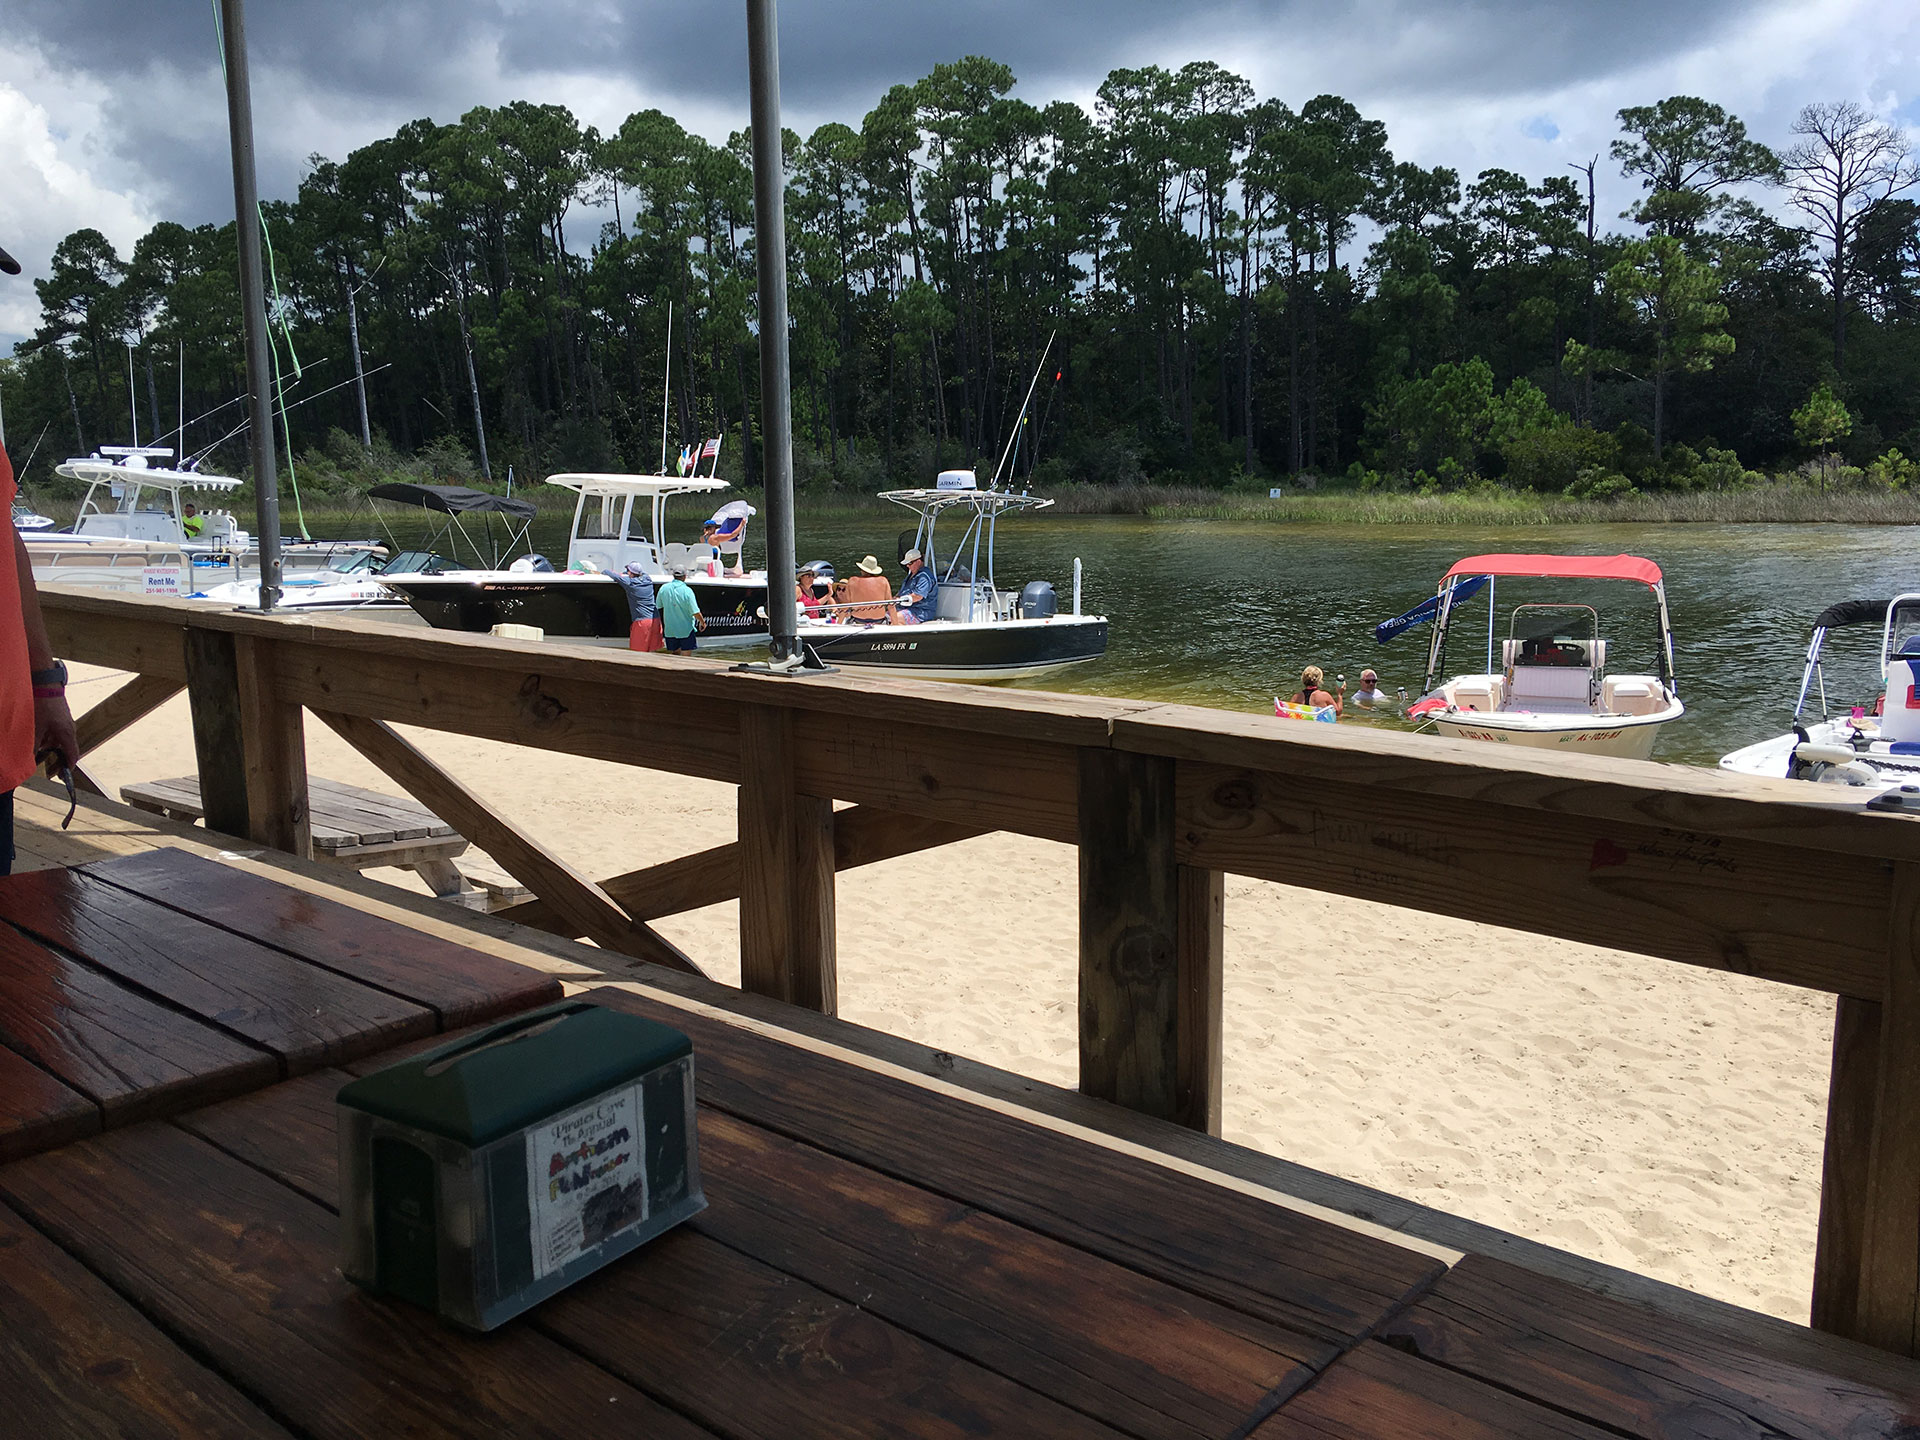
x=1225 y=288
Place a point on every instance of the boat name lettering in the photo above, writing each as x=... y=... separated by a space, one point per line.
x=891 y=645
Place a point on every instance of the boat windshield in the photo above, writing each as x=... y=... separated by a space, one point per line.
x=1544 y=635
x=1903 y=623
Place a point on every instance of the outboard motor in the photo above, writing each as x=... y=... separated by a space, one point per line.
x=532 y=565
x=1037 y=601
x=821 y=569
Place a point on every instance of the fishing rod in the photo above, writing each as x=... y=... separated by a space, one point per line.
x=1007 y=454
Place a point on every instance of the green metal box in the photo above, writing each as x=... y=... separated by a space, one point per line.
x=482 y=1177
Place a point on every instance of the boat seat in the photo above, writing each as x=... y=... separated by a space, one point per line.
x=1630 y=695
x=1478 y=692
x=1901 y=720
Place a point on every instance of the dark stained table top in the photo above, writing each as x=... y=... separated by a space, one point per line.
x=139 y=987
x=880 y=1257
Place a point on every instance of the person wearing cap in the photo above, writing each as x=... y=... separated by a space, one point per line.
x=680 y=613
x=867 y=595
x=916 y=591
x=1370 y=696
x=643 y=612
x=1313 y=691
x=35 y=723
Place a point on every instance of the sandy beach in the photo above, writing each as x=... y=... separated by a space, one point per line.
x=1645 y=1114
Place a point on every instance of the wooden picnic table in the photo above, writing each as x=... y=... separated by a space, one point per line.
x=139 y=987
x=352 y=826
x=883 y=1255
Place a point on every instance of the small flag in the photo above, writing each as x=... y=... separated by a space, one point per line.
x=686 y=458
x=709 y=450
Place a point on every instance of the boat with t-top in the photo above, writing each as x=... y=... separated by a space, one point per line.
x=618 y=520
x=1553 y=688
x=133 y=518
x=977 y=630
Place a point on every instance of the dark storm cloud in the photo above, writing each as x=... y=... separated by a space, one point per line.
x=840 y=54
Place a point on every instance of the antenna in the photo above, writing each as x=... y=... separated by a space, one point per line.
x=180 y=413
x=1007 y=453
x=133 y=407
x=666 y=390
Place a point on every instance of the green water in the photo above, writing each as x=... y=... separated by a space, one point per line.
x=1225 y=614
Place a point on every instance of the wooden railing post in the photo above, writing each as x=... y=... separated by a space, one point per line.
x=1202 y=962
x=1851 y=1086
x=1149 y=947
x=1889 y=1207
x=250 y=745
x=786 y=871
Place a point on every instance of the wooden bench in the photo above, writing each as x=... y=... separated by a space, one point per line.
x=361 y=829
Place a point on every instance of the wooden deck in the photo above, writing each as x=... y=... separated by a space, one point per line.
x=885 y=1252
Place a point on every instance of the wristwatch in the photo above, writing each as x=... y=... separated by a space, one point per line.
x=50 y=682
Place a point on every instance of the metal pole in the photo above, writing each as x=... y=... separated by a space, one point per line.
x=253 y=298
x=776 y=399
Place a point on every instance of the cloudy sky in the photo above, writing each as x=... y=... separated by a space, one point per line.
x=112 y=112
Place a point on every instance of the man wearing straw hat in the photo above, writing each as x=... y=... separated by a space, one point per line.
x=869 y=585
x=35 y=723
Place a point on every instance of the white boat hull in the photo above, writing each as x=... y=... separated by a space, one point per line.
x=1622 y=737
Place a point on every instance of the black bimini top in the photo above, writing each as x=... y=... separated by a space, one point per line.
x=1846 y=612
x=455 y=500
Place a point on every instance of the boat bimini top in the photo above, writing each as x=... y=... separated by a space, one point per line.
x=455 y=502
x=1899 y=619
x=1632 y=568
x=958 y=490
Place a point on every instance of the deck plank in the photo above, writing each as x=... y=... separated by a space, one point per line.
x=131 y=1056
x=1238 y=1250
x=1126 y=1349
x=38 y=1111
x=459 y=984
x=77 y=1361
x=244 y=1269
x=1377 y=1393
x=306 y=1015
x=1644 y=1375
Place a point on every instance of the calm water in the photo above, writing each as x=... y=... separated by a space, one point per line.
x=1226 y=614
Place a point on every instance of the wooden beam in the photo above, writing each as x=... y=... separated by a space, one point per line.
x=1130 y=981
x=213 y=687
x=569 y=892
x=1854 y=1078
x=274 y=753
x=786 y=871
x=1890 y=1212
x=862 y=835
x=1726 y=903
x=133 y=701
x=1202 y=965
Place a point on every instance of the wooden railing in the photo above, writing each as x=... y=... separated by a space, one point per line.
x=1781 y=881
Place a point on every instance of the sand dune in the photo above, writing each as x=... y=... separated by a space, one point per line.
x=1655 y=1117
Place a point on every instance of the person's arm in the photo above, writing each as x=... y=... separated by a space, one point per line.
x=52 y=720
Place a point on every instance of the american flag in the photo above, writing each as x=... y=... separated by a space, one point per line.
x=709 y=450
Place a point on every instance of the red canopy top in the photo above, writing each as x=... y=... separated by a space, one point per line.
x=1560 y=567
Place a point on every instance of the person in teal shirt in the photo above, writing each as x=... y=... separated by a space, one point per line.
x=680 y=613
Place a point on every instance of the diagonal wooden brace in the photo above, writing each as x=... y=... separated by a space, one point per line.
x=584 y=904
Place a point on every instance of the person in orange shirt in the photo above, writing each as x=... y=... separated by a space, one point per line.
x=35 y=723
